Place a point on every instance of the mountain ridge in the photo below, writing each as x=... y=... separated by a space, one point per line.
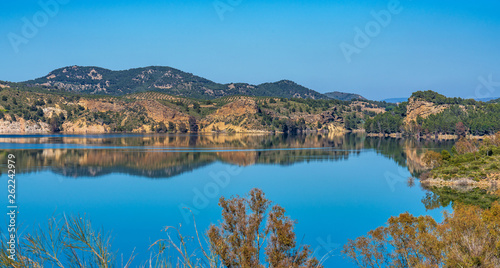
x=337 y=95
x=97 y=80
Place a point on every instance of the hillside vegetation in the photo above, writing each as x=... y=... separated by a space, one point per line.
x=95 y=100
x=35 y=109
x=344 y=96
x=471 y=162
x=430 y=113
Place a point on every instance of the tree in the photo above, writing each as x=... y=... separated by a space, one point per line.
x=161 y=128
x=464 y=145
x=171 y=127
x=182 y=128
x=432 y=159
x=55 y=124
x=196 y=107
x=470 y=237
x=445 y=155
x=193 y=126
x=240 y=239
x=460 y=129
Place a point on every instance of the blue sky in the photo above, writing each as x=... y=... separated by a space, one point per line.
x=447 y=46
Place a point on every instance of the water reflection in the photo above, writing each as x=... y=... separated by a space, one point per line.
x=335 y=186
x=438 y=197
x=164 y=156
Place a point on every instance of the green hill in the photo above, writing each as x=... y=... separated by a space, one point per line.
x=95 y=80
x=344 y=96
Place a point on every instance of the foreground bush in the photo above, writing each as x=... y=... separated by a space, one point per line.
x=470 y=237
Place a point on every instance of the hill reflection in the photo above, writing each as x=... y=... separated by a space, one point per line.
x=165 y=156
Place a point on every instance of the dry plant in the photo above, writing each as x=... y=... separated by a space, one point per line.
x=469 y=237
x=252 y=234
x=66 y=242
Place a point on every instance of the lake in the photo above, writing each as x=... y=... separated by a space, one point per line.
x=336 y=187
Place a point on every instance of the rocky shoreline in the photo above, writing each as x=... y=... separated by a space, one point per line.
x=460 y=183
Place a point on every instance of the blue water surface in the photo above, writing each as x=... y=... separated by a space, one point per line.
x=332 y=200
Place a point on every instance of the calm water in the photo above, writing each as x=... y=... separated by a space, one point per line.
x=337 y=188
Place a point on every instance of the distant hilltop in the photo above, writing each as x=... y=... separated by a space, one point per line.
x=344 y=96
x=96 y=80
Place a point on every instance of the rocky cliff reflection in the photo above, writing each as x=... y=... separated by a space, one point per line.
x=167 y=156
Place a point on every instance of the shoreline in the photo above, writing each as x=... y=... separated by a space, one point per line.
x=427 y=137
x=461 y=183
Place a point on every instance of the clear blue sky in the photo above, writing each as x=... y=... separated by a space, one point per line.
x=438 y=45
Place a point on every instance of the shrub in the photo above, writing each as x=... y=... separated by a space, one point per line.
x=432 y=159
x=469 y=237
x=445 y=155
x=240 y=238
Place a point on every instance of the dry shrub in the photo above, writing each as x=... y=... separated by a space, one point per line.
x=432 y=159
x=469 y=237
x=464 y=145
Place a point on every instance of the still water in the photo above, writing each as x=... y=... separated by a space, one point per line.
x=336 y=187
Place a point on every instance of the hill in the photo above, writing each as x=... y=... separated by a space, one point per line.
x=336 y=95
x=40 y=109
x=95 y=80
x=432 y=114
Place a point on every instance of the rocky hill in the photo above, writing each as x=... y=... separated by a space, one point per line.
x=418 y=108
x=34 y=109
x=431 y=114
x=95 y=80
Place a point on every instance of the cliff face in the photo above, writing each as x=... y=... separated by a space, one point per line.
x=22 y=126
x=161 y=113
x=237 y=116
x=421 y=108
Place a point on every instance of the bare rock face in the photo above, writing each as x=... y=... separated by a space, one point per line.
x=336 y=129
x=22 y=126
x=83 y=127
x=101 y=106
x=237 y=116
x=329 y=116
x=421 y=108
x=238 y=108
x=161 y=113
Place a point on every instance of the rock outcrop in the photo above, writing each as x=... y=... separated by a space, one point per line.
x=419 y=108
